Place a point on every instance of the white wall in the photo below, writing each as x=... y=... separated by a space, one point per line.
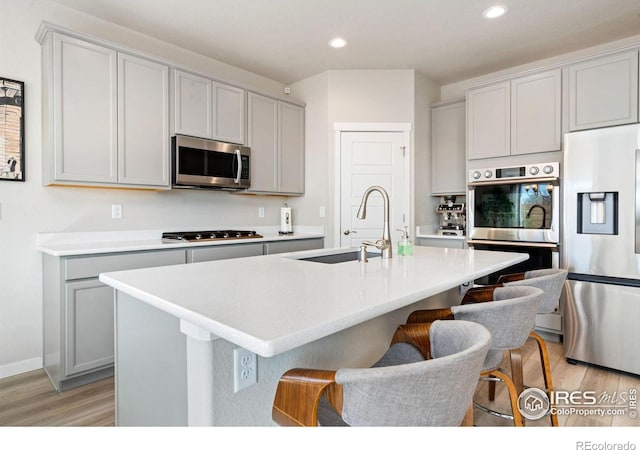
x=366 y=96
x=28 y=208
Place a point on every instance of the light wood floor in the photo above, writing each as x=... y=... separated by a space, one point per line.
x=30 y=400
x=566 y=377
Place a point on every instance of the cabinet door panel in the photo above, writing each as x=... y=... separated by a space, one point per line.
x=291 y=143
x=193 y=105
x=89 y=326
x=229 y=116
x=263 y=121
x=536 y=113
x=488 y=121
x=448 y=146
x=143 y=122
x=604 y=92
x=85 y=79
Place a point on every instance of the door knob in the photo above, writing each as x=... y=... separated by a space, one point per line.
x=348 y=232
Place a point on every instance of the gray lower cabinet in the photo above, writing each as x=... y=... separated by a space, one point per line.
x=79 y=309
x=89 y=326
x=78 y=312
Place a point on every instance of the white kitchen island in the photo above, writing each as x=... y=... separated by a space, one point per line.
x=177 y=326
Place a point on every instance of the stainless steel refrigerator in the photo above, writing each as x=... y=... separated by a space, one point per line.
x=600 y=246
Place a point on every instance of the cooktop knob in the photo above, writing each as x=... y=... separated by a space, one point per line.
x=548 y=170
x=476 y=175
x=534 y=170
x=488 y=173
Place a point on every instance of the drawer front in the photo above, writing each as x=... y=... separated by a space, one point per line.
x=92 y=266
x=223 y=252
x=271 y=248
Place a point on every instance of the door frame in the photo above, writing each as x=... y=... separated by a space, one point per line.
x=345 y=127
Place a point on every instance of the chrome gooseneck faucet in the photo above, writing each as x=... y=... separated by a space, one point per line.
x=383 y=244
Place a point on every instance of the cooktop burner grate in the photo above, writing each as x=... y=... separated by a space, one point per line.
x=210 y=235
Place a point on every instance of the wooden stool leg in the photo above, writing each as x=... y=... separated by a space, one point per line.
x=546 y=370
x=467 y=421
x=516 y=369
x=513 y=397
x=492 y=390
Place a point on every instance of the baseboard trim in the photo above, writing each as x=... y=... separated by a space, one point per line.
x=16 y=368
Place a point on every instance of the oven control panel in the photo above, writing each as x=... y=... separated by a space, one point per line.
x=529 y=171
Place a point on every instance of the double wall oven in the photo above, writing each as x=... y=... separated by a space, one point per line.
x=517 y=209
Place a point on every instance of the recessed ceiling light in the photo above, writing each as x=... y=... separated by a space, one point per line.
x=338 y=42
x=494 y=11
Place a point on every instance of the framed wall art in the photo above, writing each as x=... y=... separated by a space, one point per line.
x=12 y=130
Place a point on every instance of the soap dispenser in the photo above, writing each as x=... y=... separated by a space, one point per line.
x=405 y=247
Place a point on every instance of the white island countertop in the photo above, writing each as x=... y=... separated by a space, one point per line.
x=275 y=303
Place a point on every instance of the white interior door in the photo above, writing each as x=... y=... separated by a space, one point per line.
x=368 y=159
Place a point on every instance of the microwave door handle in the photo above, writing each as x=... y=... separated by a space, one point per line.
x=239 y=159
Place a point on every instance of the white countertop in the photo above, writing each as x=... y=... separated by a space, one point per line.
x=440 y=236
x=423 y=231
x=87 y=243
x=272 y=304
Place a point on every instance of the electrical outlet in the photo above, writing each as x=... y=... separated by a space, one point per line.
x=116 y=211
x=245 y=369
x=323 y=211
x=260 y=212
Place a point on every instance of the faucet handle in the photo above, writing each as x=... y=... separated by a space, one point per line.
x=380 y=244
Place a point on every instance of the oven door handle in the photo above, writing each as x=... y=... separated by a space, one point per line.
x=514 y=243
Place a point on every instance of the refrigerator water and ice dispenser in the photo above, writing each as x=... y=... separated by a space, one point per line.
x=598 y=213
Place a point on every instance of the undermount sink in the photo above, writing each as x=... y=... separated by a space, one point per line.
x=338 y=257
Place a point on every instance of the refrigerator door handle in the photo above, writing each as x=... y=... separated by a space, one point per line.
x=637 y=230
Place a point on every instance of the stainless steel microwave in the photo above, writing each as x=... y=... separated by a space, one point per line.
x=204 y=163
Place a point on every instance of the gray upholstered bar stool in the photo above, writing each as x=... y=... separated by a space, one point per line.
x=403 y=388
x=509 y=314
x=551 y=281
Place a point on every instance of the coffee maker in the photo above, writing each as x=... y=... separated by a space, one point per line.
x=452 y=217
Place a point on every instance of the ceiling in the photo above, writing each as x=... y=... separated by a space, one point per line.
x=446 y=40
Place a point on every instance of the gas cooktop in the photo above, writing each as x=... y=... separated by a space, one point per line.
x=211 y=235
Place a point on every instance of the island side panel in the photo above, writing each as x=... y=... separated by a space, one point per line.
x=152 y=382
x=151 y=370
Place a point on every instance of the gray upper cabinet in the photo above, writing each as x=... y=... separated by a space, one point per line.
x=81 y=87
x=448 y=149
x=604 y=91
x=276 y=138
x=488 y=121
x=263 y=141
x=515 y=117
x=208 y=109
x=105 y=116
x=229 y=113
x=193 y=105
x=291 y=143
x=143 y=122
x=536 y=113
